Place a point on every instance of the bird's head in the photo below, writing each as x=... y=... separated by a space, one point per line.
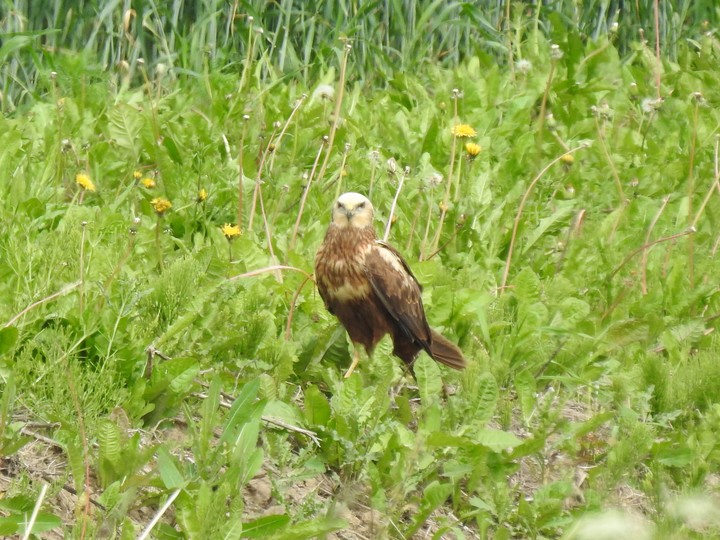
x=352 y=210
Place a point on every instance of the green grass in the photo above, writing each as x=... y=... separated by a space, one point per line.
x=146 y=360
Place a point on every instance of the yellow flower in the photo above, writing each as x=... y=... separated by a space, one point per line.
x=472 y=150
x=137 y=175
x=148 y=182
x=161 y=205
x=202 y=195
x=230 y=231
x=463 y=130
x=568 y=158
x=83 y=180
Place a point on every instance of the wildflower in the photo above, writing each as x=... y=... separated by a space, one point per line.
x=137 y=175
x=651 y=105
x=374 y=157
x=230 y=231
x=324 y=92
x=83 y=180
x=148 y=182
x=463 y=130
x=472 y=150
x=161 y=205
x=555 y=52
x=392 y=165
x=435 y=179
x=567 y=158
x=202 y=195
x=524 y=66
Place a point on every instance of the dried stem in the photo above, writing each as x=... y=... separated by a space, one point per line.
x=241 y=175
x=338 y=107
x=648 y=246
x=258 y=180
x=658 y=64
x=543 y=103
x=715 y=185
x=643 y=264
x=267 y=269
x=609 y=160
x=53 y=296
x=516 y=224
x=304 y=197
x=277 y=142
x=146 y=532
x=291 y=313
x=35 y=512
x=394 y=205
x=691 y=192
x=81 y=300
x=448 y=184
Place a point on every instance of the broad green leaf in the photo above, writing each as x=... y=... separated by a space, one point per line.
x=317 y=408
x=311 y=529
x=17 y=523
x=264 y=526
x=8 y=337
x=170 y=474
x=429 y=380
x=241 y=410
x=495 y=439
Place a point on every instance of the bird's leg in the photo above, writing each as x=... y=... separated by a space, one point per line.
x=356 y=359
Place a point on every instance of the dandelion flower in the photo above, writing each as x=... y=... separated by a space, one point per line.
x=472 y=150
x=161 y=205
x=148 y=182
x=83 y=180
x=202 y=195
x=463 y=130
x=230 y=231
x=567 y=158
x=137 y=175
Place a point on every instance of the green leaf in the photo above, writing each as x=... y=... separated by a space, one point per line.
x=485 y=398
x=8 y=338
x=169 y=473
x=496 y=440
x=312 y=529
x=429 y=380
x=241 y=410
x=262 y=527
x=317 y=407
x=17 y=524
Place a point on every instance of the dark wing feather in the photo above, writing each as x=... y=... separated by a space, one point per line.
x=399 y=291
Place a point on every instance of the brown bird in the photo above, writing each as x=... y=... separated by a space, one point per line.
x=366 y=284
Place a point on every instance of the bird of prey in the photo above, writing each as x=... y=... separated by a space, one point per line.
x=366 y=284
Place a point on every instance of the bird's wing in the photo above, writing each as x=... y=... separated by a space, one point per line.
x=398 y=290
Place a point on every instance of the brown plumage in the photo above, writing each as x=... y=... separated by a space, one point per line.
x=366 y=284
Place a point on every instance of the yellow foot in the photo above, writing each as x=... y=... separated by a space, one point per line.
x=356 y=359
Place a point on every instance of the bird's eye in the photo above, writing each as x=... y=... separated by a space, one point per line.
x=340 y=205
x=361 y=205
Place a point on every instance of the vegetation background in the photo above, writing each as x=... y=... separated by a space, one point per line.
x=550 y=171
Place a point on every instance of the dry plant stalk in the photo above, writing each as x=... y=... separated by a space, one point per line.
x=524 y=199
x=643 y=264
x=394 y=204
x=305 y=196
x=338 y=106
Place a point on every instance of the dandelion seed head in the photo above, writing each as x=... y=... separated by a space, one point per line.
x=650 y=105
x=136 y=220
x=141 y=61
x=323 y=92
x=435 y=179
x=524 y=66
x=614 y=27
x=555 y=52
x=374 y=156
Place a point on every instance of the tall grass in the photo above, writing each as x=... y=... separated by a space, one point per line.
x=300 y=39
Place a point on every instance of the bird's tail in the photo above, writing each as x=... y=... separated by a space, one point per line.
x=444 y=351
